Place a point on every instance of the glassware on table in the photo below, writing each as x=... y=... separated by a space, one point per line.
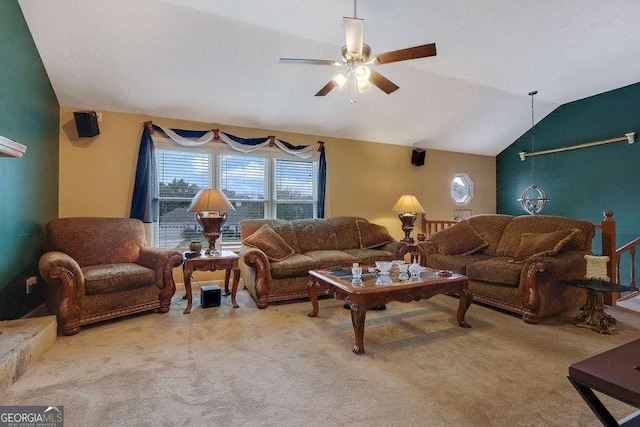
x=404 y=268
x=384 y=279
x=414 y=268
x=384 y=266
x=356 y=270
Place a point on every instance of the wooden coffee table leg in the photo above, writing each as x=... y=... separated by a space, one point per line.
x=313 y=296
x=463 y=305
x=358 y=315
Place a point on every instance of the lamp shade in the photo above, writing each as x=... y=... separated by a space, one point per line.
x=408 y=203
x=209 y=200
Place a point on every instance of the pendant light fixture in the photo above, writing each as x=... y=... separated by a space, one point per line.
x=533 y=199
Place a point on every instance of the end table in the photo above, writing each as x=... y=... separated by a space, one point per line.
x=223 y=260
x=593 y=315
x=415 y=250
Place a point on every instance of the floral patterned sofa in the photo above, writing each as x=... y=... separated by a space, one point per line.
x=516 y=263
x=276 y=255
x=100 y=268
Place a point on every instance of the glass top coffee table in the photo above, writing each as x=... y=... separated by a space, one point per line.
x=375 y=289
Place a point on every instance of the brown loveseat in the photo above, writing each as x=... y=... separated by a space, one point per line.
x=516 y=263
x=99 y=268
x=276 y=255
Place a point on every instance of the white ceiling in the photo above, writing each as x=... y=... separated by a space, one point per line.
x=217 y=62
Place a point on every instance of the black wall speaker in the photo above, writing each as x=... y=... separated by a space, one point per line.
x=417 y=156
x=86 y=123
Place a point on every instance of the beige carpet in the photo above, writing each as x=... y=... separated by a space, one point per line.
x=249 y=367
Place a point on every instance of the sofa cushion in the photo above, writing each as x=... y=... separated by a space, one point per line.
x=346 y=231
x=110 y=278
x=370 y=256
x=460 y=239
x=331 y=258
x=456 y=263
x=496 y=270
x=490 y=228
x=314 y=234
x=269 y=242
x=292 y=266
x=543 y=244
x=280 y=226
x=510 y=240
x=372 y=235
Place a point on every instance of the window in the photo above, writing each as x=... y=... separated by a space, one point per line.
x=461 y=189
x=295 y=189
x=181 y=174
x=242 y=179
x=270 y=184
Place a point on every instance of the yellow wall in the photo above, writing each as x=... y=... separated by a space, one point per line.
x=363 y=178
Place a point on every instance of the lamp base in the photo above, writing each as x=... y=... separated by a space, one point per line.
x=407 y=219
x=211 y=230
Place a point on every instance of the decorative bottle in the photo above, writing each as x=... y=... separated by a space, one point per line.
x=414 y=268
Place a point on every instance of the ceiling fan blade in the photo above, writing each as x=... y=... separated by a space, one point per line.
x=354 y=33
x=310 y=61
x=326 y=88
x=409 y=53
x=383 y=83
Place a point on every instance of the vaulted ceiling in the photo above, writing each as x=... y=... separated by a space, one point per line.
x=218 y=62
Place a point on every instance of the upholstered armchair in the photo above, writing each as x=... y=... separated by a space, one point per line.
x=100 y=268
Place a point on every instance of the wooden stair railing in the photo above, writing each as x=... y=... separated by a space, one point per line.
x=433 y=226
x=631 y=248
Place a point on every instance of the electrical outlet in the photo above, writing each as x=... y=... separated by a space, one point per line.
x=31 y=282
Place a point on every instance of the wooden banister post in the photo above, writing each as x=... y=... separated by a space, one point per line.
x=609 y=249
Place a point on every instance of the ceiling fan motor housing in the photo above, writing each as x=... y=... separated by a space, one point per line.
x=347 y=58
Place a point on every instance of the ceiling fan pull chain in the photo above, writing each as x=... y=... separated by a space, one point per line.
x=354 y=90
x=355 y=8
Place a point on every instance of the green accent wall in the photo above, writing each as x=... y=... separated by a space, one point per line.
x=29 y=114
x=585 y=182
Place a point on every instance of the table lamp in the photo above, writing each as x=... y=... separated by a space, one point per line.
x=408 y=208
x=210 y=205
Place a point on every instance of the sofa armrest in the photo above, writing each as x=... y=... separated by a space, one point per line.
x=562 y=266
x=256 y=259
x=160 y=260
x=545 y=271
x=256 y=273
x=64 y=288
x=60 y=270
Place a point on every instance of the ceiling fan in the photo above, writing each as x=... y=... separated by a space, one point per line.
x=356 y=55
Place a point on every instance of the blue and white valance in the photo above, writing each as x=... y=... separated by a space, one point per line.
x=190 y=138
x=144 y=203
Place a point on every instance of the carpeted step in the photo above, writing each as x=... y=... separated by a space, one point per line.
x=22 y=342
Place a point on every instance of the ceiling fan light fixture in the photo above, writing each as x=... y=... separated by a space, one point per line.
x=363 y=85
x=363 y=73
x=340 y=79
